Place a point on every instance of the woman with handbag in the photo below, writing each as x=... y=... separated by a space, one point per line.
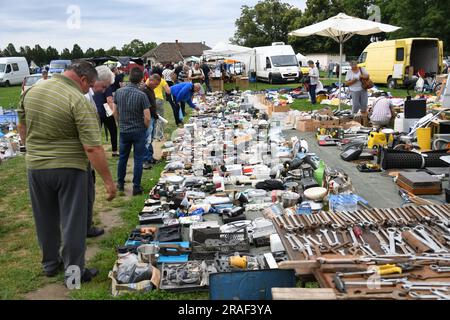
x=358 y=81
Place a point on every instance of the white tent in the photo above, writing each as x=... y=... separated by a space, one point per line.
x=341 y=28
x=301 y=58
x=227 y=50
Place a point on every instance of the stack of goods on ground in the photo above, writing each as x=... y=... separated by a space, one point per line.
x=240 y=211
x=9 y=138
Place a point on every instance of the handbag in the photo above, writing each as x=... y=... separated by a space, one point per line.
x=366 y=83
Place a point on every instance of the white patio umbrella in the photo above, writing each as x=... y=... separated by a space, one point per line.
x=341 y=28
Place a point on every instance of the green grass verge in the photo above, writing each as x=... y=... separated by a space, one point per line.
x=9 y=97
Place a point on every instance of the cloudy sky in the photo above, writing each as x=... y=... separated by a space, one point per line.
x=104 y=25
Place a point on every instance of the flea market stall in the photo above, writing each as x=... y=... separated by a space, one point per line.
x=243 y=208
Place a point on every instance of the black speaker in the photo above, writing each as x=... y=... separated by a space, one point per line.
x=415 y=109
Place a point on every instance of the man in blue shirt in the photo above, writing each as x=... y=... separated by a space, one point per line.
x=183 y=93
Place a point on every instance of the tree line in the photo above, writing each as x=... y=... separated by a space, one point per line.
x=42 y=56
x=271 y=21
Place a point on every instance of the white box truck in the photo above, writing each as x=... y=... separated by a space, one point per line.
x=276 y=63
x=13 y=70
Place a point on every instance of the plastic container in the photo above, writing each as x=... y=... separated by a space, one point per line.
x=424 y=138
x=290 y=199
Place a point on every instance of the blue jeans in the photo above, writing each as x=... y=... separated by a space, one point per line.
x=150 y=135
x=137 y=141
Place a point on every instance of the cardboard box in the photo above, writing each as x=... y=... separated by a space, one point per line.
x=305 y=126
x=216 y=84
x=143 y=286
x=243 y=83
x=281 y=108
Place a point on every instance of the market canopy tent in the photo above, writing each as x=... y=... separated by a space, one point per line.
x=341 y=28
x=227 y=50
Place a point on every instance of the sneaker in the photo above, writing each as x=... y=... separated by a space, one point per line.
x=138 y=191
x=153 y=161
x=120 y=188
x=88 y=275
x=115 y=155
x=147 y=165
x=95 y=232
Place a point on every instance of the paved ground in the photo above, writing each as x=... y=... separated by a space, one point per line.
x=377 y=188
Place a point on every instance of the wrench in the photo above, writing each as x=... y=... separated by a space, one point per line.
x=383 y=244
x=327 y=237
x=353 y=236
x=440 y=294
x=440 y=269
x=416 y=295
x=392 y=232
x=401 y=244
x=369 y=249
x=301 y=247
x=430 y=243
x=314 y=241
x=292 y=243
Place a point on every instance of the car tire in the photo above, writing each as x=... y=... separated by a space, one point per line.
x=7 y=84
x=392 y=83
x=270 y=79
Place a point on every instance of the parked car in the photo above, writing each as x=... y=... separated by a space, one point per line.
x=13 y=70
x=30 y=81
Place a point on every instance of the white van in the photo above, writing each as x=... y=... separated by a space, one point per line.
x=276 y=63
x=13 y=70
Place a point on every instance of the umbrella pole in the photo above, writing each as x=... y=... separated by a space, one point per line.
x=340 y=73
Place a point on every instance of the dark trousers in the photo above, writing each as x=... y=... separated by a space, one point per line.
x=176 y=111
x=127 y=141
x=91 y=197
x=208 y=87
x=110 y=124
x=59 y=198
x=312 y=93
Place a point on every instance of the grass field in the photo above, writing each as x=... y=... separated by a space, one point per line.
x=20 y=268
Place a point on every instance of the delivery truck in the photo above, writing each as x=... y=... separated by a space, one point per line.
x=276 y=63
x=391 y=62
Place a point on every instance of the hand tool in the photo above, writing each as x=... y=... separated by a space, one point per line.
x=327 y=236
x=383 y=270
x=342 y=285
x=383 y=244
x=391 y=295
x=353 y=236
x=314 y=241
x=291 y=242
x=440 y=269
x=392 y=233
x=415 y=295
x=433 y=245
x=414 y=241
x=440 y=294
x=301 y=247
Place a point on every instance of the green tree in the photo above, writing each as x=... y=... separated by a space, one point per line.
x=77 y=52
x=38 y=55
x=137 y=48
x=66 y=55
x=268 y=21
x=10 y=51
x=100 y=53
x=90 y=53
x=113 y=52
x=52 y=54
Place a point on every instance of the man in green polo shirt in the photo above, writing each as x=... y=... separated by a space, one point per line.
x=62 y=135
